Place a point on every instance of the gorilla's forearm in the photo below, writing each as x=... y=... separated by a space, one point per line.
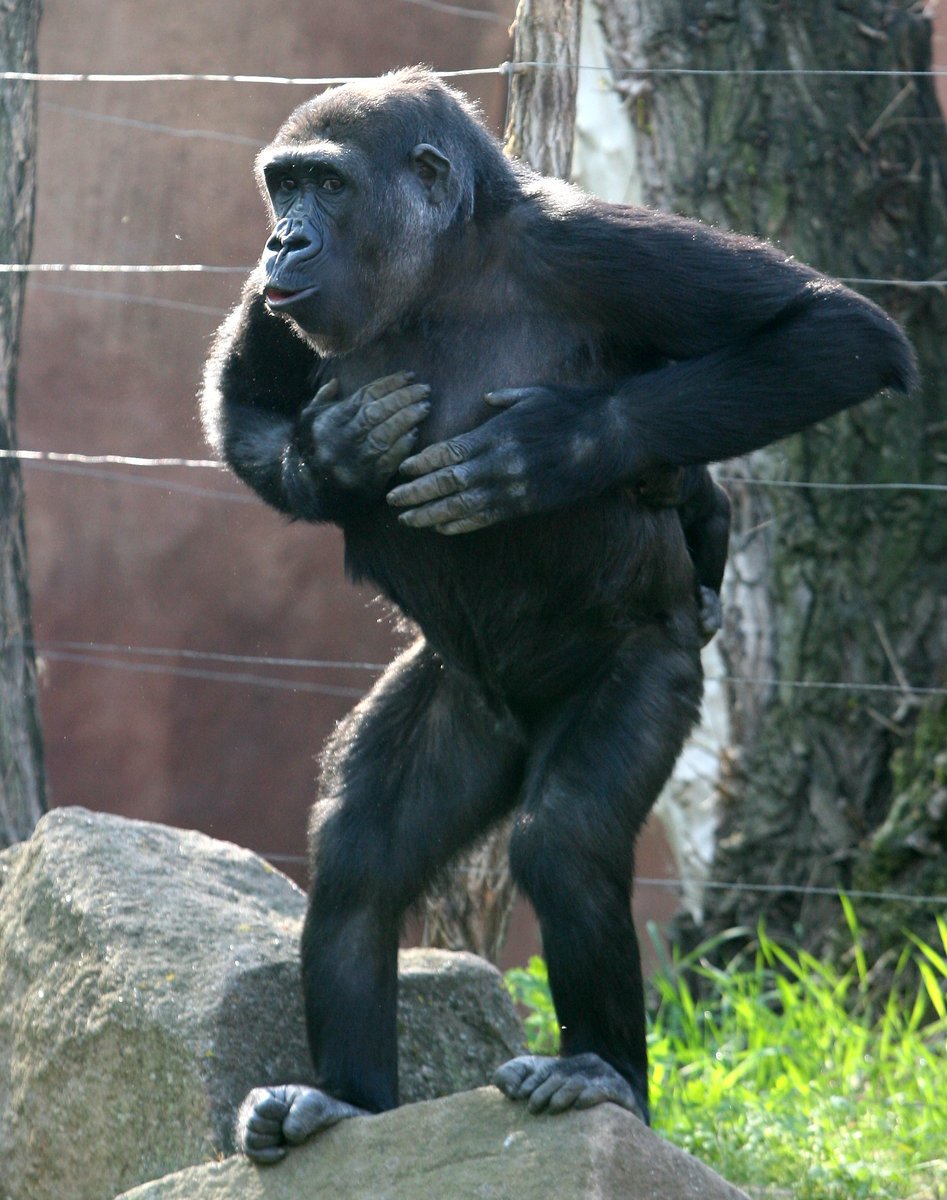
x=824 y=355
x=330 y=460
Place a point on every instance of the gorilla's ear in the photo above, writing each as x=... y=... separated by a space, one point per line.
x=433 y=169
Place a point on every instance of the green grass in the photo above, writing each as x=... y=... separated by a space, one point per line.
x=791 y=1076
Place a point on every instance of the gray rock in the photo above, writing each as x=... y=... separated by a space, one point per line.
x=456 y=1024
x=8 y=859
x=473 y=1146
x=149 y=979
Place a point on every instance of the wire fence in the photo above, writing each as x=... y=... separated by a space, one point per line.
x=169 y=660
x=504 y=68
x=672 y=883
x=208 y=269
x=107 y=655
x=70 y=457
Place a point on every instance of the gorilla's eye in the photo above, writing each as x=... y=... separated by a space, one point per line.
x=287 y=184
x=332 y=183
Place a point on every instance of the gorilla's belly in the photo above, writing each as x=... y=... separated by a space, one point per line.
x=536 y=602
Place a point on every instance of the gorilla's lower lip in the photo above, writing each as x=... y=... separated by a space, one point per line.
x=278 y=298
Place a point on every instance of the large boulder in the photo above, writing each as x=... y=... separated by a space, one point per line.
x=473 y=1145
x=149 y=978
x=456 y=1023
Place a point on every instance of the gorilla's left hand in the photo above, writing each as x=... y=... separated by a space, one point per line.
x=543 y=452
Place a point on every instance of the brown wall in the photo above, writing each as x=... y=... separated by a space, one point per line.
x=138 y=565
x=118 y=563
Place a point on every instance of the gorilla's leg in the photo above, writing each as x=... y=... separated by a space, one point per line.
x=420 y=767
x=595 y=769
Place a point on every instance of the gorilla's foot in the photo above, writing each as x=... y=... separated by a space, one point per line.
x=272 y=1119
x=555 y=1084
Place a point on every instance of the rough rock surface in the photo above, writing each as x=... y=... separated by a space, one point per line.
x=456 y=1024
x=149 y=978
x=466 y=1147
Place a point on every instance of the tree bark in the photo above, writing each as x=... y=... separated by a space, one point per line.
x=471 y=910
x=824 y=787
x=541 y=123
x=22 y=783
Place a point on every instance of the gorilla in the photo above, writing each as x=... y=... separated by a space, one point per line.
x=505 y=393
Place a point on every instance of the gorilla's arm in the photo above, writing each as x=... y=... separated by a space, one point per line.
x=314 y=458
x=752 y=347
x=256 y=383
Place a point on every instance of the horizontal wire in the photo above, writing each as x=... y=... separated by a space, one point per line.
x=505 y=68
x=152 y=126
x=212 y=135
x=51 y=650
x=118 y=459
x=855 y=281
x=185 y=77
x=286 y=685
x=711 y=884
x=827 y=686
x=835 y=487
x=456 y=10
x=128 y=298
x=121 y=269
x=206 y=268
x=171 y=486
x=207 y=655
x=53 y=456
x=798 y=889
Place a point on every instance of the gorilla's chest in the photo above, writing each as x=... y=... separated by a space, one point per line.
x=462 y=360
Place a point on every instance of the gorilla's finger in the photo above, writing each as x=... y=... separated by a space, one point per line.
x=391 y=460
x=378 y=411
x=257 y=1123
x=479 y=520
x=386 y=433
x=554 y=1094
x=264 y=1155
x=507 y=397
x=433 y=487
x=327 y=393
x=388 y=383
x=564 y=1097
x=462 y=506
x=441 y=454
x=510 y=1077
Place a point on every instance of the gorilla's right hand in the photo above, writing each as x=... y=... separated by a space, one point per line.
x=272 y=1119
x=359 y=442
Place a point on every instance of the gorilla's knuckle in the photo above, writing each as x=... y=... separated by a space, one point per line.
x=514 y=465
x=460 y=505
x=323 y=422
x=450 y=480
x=455 y=450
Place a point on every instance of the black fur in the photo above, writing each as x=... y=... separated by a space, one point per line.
x=517 y=389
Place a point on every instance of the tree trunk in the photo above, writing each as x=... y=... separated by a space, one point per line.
x=22 y=785
x=825 y=787
x=541 y=121
x=471 y=911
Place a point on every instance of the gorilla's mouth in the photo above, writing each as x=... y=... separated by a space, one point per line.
x=280 y=298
